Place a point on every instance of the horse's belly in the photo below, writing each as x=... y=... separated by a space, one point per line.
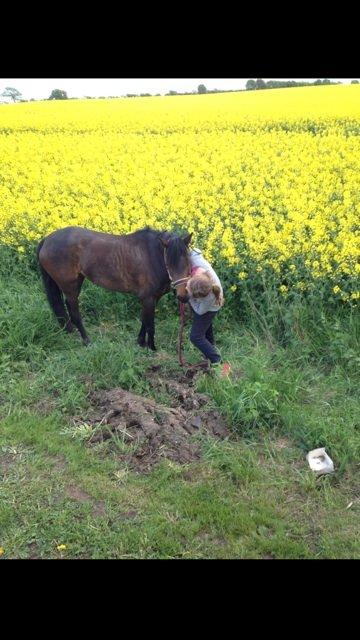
x=114 y=271
x=107 y=281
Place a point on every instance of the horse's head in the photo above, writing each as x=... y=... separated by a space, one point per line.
x=177 y=262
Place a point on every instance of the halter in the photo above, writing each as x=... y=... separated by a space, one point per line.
x=175 y=283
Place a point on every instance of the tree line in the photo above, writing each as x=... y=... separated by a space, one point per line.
x=251 y=85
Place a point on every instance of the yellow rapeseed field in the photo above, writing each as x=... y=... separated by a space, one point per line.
x=265 y=179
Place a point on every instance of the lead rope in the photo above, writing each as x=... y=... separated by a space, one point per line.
x=181 y=333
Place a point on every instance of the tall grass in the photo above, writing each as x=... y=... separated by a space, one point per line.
x=295 y=363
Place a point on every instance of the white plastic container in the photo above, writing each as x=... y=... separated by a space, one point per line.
x=320 y=462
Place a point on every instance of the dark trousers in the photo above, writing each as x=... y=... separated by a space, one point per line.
x=202 y=335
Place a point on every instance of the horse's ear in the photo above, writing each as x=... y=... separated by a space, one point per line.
x=187 y=239
x=165 y=239
x=165 y=242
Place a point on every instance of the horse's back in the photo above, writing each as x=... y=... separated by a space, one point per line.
x=73 y=235
x=73 y=240
x=119 y=262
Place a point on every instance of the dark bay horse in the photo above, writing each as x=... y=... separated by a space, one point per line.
x=145 y=263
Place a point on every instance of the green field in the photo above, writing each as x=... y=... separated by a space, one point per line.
x=294 y=387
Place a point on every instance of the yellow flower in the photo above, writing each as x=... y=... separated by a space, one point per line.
x=61 y=547
x=2 y=551
x=336 y=289
x=254 y=185
x=283 y=288
x=233 y=288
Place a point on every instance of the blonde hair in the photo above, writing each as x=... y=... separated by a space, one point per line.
x=199 y=286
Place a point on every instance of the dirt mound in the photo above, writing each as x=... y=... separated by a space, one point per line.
x=152 y=431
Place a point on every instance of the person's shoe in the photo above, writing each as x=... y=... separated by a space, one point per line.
x=226 y=370
x=222 y=368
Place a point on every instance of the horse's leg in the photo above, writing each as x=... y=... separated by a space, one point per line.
x=80 y=280
x=71 y=327
x=142 y=335
x=148 y=321
x=71 y=293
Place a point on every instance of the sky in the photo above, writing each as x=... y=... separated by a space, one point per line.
x=41 y=88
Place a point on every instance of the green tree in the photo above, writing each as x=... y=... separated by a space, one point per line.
x=250 y=85
x=12 y=93
x=354 y=81
x=58 y=94
x=260 y=84
x=202 y=88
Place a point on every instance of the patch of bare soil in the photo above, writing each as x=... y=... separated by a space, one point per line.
x=6 y=461
x=33 y=551
x=81 y=496
x=58 y=462
x=152 y=430
x=282 y=443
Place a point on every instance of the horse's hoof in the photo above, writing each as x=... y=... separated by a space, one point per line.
x=141 y=343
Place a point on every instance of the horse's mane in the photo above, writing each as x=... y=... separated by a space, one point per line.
x=145 y=232
x=176 y=248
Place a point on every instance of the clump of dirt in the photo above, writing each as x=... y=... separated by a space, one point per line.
x=151 y=431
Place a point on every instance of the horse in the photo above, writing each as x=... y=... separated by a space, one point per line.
x=146 y=263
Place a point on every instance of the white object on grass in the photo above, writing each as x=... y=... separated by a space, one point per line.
x=320 y=462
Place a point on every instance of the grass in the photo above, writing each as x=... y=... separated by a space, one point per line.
x=253 y=497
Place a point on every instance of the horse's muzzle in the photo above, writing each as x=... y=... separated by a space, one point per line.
x=183 y=298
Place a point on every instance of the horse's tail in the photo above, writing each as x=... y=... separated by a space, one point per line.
x=53 y=292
